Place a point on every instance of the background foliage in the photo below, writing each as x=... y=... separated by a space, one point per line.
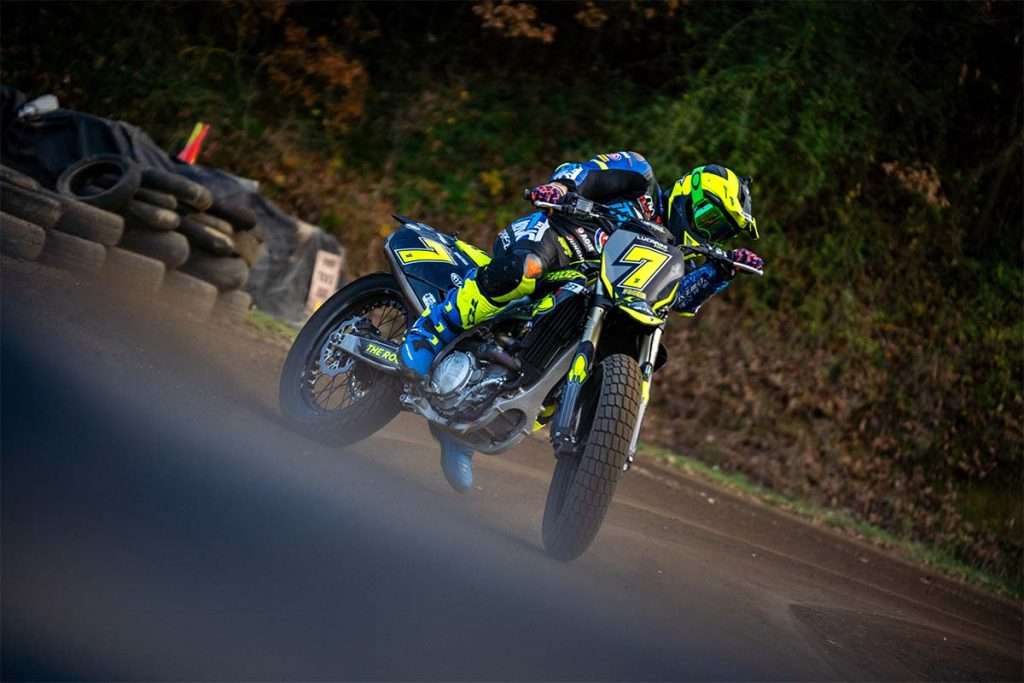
x=877 y=368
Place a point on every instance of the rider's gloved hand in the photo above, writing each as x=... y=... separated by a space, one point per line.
x=552 y=193
x=747 y=258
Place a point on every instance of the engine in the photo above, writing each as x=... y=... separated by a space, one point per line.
x=461 y=385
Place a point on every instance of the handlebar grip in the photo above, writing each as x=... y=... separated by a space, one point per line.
x=749 y=269
x=526 y=193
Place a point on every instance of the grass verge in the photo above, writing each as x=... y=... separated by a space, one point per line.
x=914 y=551
x=269 y=325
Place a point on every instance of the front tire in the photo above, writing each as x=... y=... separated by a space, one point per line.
x=348 y=406
x=582 y=486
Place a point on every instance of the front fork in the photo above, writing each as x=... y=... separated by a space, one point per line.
x=648 y=355
x=563 y=436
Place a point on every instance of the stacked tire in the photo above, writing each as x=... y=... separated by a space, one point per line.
x=213 y=272
x=172 y=220
x=36 y=224
x=146 y=231
x=215 y=256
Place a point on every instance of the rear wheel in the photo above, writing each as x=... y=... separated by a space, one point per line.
x=323 y=390
x=583 y=484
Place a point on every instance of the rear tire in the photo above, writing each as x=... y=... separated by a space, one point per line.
x=369 y=397
x=582 y=487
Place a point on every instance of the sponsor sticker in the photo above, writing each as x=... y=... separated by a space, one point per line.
x=575 y=246
x=382 y=353
x=573 y=174
x=581 y=233
x=646 y=203
x=651 y=240
x=532 y=228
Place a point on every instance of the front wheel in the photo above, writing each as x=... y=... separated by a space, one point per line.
x=324 y=391
x=583 y=485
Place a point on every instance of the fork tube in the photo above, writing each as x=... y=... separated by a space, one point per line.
x=562 y=437
x=648 y=355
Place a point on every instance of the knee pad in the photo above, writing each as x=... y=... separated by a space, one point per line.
x=510 y=276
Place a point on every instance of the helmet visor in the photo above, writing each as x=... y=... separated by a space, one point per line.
x=711 y=222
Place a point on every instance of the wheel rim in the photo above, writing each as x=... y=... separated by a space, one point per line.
x=348 y=382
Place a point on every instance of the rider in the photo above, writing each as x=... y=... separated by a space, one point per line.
x=708 y=204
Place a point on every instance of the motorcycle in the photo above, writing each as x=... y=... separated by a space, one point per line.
x=541 y=361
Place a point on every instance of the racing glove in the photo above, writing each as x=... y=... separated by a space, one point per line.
x=747 y=258
x=552 y=193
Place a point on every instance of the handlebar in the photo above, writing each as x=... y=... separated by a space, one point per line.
x=579 y=207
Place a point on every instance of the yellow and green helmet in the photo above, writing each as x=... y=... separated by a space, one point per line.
x=712 y=204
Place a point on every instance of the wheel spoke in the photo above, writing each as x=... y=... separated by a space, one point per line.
x=389 y=318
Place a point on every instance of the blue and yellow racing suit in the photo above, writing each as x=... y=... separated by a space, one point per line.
x=528 y=248
x=538 y=243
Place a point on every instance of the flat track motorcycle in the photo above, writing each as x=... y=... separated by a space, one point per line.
x=540 y=360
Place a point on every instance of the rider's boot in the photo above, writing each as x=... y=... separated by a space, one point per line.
x=463 y=307
x=456 y=461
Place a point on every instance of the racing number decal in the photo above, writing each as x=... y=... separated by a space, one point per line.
x=648 y=262
x=433 y=251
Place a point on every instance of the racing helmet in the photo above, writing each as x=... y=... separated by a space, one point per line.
x=711 y=204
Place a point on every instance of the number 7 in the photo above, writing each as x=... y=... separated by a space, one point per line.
x=648 y=263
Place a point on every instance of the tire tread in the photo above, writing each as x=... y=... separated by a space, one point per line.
x=581 y=491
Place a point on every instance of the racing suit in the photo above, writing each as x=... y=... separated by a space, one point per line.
x=538 y=243
x=533 y=245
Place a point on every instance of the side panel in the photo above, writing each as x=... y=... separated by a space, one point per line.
x=431 y=261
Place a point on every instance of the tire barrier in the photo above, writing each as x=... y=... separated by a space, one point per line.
x=145 y=232
x=19 y=238
x=79 y=181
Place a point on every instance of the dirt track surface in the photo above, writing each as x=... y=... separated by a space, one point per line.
x=161 y=522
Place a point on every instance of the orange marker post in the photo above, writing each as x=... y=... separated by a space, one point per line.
x=190 y=152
